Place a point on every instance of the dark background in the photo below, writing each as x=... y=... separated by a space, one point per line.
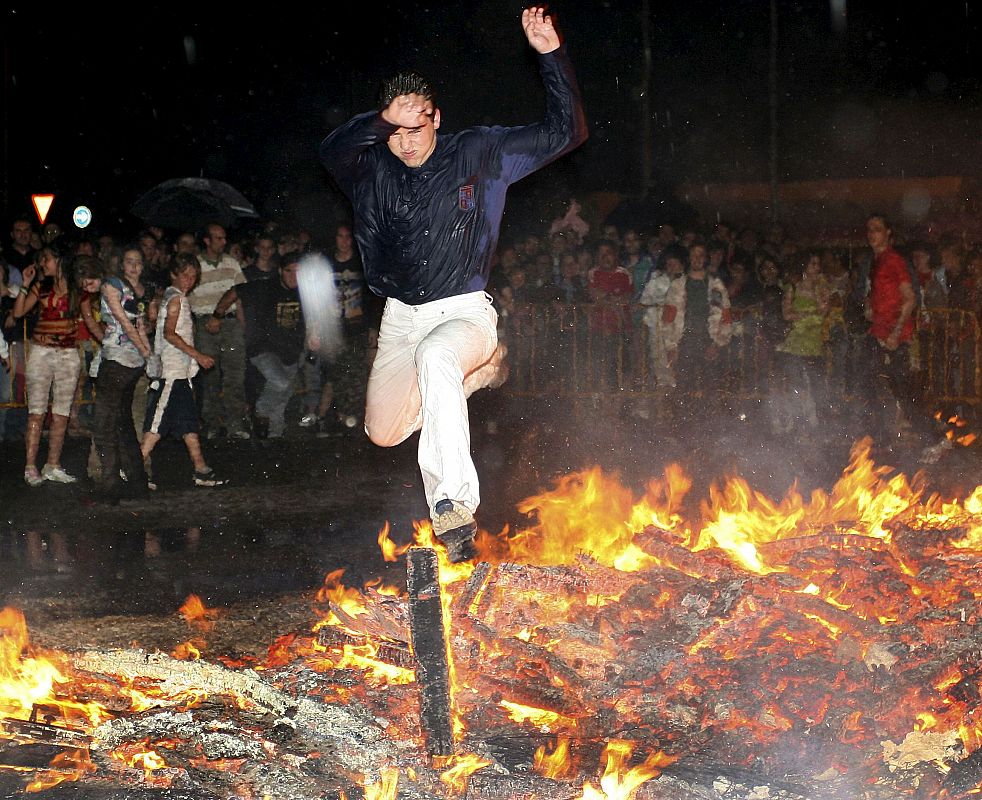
x=99 y=106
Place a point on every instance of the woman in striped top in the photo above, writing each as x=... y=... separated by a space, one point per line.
x=52 y=361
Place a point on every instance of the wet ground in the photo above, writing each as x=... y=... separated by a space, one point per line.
x=299 y=508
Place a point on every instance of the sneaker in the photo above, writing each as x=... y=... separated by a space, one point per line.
x=309 y=420
x=455 y=527
x=56 y=474
x=241 y=433
x=32 y=477
x=208 y=478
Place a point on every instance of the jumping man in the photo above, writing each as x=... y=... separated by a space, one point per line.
x=427 y=211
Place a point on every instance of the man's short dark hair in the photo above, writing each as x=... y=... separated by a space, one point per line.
x=405 y=83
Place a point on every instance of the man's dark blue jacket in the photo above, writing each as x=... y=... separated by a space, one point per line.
x=429 y=232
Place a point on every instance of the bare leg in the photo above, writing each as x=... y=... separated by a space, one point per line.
x=32 y=439
x=193 y=444
x=148 y=444
x=56 y=439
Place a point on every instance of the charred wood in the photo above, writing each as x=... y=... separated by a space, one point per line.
x=706 y=564
x=430 y=649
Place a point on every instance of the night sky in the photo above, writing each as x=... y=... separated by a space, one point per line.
x=98 y=116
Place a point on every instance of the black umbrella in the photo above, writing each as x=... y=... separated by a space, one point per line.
x=189 y=204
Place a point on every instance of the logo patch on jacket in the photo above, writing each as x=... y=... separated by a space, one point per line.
x=465 y=197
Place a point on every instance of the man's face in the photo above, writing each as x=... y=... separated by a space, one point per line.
x=697 y=258
x=216 y=240
x=21 y=235
x=412 y=146
x=632 y=243
x=265 y=248
x=185 y=243
x=343 y=239
x=148 y=245
x=288 y=274
x=877 y=234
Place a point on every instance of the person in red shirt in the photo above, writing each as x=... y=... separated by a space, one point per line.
x=610 y=288
x=890 y=307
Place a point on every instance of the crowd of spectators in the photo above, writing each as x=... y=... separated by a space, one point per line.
x=192 y=334
x=693 y=314
x=703 y=313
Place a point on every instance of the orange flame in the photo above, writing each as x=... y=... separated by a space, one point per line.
x=29 y=678
x=387 y=786
x=461 y=767
x=555 y=764
x=139 y=755
x=620 y=782
x=188 y=651
x=70 y=765
x=195 y=613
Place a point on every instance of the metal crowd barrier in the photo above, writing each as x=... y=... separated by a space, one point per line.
x=564 y=350
x=559 y=350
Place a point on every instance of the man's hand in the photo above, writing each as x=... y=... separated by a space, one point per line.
x=408 y=111
x=541 y=33
x=213 y=325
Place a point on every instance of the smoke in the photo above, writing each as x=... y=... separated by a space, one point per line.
x=320 y=303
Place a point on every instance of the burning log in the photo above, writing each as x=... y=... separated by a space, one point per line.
x=397 y=653
x=709 y=565
x=430 y=648
x=526 y=671
x=781 y=551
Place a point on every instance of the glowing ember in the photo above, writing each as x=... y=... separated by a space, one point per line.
x=539 y=717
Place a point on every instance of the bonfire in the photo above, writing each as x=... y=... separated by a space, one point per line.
x=619 y=646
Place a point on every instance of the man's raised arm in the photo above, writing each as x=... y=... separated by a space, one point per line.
x=529 y=147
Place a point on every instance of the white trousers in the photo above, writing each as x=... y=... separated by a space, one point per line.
x=428 y=363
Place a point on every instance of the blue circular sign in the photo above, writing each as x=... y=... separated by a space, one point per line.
x=82 y=216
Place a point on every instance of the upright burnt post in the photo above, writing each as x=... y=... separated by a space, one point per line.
x=430 y=649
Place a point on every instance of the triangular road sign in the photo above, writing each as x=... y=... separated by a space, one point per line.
x=42 y=204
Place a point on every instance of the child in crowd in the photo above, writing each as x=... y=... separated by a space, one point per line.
x=171 y=407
